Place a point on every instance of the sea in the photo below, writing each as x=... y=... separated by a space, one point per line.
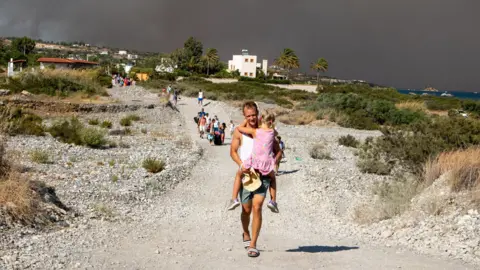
x=456 y=94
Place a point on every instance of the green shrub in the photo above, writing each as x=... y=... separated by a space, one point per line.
x=411 y=146
x=348 y=141
x=153 y=165
x=106 y=124
x=318 y=152
x=93 y=137
x=67 y=131
x=93 y=122
x=134 y=117
x=40 y=156
x=126 y=122
x=15 y=121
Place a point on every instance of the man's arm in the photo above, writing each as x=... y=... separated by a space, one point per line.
x=235 y=144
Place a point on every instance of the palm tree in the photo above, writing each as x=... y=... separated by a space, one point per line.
x=288 y=60
x=211 y=57
x=320 y=66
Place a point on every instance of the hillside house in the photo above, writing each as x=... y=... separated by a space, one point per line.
x=246 y=64
x=62 y=63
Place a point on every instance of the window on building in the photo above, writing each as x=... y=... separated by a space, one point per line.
x=246 y=60
x=251 y=74
x=246 y=74
x=251 y=60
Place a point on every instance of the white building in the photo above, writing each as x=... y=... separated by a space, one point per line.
x=122 y=52
x=104 y=52
x=246 y=64
x=166 y=66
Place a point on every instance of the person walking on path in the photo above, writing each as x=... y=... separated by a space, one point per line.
x=200 y=98
x=252 y=202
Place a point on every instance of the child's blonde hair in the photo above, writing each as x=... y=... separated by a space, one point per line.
x=268 y=119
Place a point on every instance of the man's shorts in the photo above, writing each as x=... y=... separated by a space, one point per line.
x=202 y=128
x=200 y=99
x=246 y=196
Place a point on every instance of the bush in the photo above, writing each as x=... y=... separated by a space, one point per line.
x=364 y=112
x=15 y=121
x=92 y=137
x=134 y=117
x=93 y=122
x=126 y=122
x=463 y=167
x=40 y=156
x=67 y=131
x=74 y=132
x=318 y=152
x=59 y=82
x=260 y=80
x=348 y=141
x=153 y=165
x=411 y=146
x=106 y=124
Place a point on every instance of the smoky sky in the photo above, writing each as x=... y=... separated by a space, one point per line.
x=405 y=44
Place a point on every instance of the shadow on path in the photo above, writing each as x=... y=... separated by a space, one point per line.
x=320 y=249
x=288 y=172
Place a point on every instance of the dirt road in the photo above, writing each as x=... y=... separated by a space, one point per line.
x=191 y=229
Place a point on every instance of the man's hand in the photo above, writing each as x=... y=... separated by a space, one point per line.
x=243 y=169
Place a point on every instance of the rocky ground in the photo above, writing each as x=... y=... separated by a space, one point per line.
x=127 y=218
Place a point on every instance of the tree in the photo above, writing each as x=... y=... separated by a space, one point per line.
x=193 y=48
x=211 y=57
x=288 y=60
x=320 y=66
x=24 y=45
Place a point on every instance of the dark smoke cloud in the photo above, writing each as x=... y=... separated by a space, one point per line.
x=408 y=43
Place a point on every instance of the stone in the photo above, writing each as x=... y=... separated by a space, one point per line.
x=26 y=93
x=4 y=92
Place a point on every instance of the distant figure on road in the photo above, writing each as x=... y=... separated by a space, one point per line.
x=200 y=98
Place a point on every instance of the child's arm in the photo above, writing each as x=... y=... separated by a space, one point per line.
x=247 y=130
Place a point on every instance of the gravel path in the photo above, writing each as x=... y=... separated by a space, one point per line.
x=190 y=228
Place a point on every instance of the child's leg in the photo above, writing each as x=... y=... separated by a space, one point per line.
x=273 y=186
x=237 y=185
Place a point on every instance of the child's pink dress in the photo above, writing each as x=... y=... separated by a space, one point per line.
x=262 y=158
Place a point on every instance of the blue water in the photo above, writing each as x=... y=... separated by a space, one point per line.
x=457 y=94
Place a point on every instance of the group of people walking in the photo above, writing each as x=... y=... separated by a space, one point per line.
x=212 y=128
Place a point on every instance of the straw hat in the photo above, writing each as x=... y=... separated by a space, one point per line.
x=251 y=181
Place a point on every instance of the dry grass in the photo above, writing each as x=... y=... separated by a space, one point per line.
x=392 y=198
x=412 y=105
x=463 y=167
x=298 y=118
x=16 y=196
x=18 y=199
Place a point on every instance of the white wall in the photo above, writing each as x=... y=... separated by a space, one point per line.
x=246 y=64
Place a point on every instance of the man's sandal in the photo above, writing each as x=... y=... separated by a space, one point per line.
x=246 y=243
x=253 y=252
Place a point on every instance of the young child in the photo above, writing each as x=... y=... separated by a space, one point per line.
x=262 y=158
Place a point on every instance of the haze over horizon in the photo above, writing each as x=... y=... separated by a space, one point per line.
x=405 y=44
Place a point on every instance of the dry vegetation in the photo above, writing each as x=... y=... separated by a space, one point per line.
x=22 y=201
x=462 y=166
x=298 y=118
x=17 y=201
x=412 y=105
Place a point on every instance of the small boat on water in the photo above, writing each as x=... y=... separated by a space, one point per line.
x=446 y=94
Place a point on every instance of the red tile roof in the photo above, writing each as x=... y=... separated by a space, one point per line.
x=64 y=61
